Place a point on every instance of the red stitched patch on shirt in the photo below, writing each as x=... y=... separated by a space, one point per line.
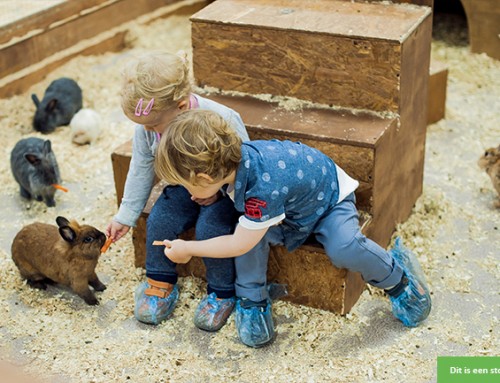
x=253 y=206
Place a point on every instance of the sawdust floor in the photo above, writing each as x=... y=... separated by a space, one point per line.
x=454 y=230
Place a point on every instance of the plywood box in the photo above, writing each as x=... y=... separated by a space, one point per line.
x=329 y=52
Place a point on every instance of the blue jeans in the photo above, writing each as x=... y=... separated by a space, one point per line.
x=339 y=233
x=174 y=213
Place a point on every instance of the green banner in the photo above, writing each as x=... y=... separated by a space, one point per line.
x=468 y=369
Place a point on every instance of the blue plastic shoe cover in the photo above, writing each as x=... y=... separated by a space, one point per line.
x=212 y=312
x=412 y=304
x=254 y=322
x=154 y=309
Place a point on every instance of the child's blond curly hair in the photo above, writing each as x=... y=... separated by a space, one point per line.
x=197 y=141
x=159 y=75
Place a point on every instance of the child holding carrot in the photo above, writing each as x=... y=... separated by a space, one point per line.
x=286 y=191
x=157 y=86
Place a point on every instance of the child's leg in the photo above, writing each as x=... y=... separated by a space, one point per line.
x=216 y=220
x=215 y=308
x=347 y=247
x=254 y=321
x=395 y=270
x=251 y=267
x=172 y=214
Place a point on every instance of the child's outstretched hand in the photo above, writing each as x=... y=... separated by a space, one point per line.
x=116 y=230
x=177 y=251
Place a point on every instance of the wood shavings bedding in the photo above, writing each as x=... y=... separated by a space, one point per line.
x=453 y=230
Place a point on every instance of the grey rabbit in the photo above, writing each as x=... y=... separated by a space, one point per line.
x=34 y=166
x=62 y=99
x=66 y=254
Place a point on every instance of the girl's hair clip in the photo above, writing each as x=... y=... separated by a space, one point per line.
x=138 y=109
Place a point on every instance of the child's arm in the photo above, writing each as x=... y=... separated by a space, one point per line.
x=226 y=246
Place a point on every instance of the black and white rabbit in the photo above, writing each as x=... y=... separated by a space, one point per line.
x=62 y=99
x=34 y=166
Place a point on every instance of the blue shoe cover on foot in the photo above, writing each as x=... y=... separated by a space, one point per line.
x=152 y=309
x=413 y=304
x=212 y=312
x=254 y=323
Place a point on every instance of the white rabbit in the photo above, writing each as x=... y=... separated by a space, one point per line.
x=85 y=126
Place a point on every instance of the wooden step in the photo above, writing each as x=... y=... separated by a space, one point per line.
x=359 y=143
x=353 y=55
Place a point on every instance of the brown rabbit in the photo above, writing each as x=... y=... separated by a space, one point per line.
x=490 y=162
x=67 y=255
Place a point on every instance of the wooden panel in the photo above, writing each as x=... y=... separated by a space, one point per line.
x=438 y=80
x=54 y=36
x=18 y=83
x=120 y=159
x=483 y=18
x=397 y=191
x=42 y=15
x=313 y=53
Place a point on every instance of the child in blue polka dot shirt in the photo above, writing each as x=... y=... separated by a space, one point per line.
x=286 y=192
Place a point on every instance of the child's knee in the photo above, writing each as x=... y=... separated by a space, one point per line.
x=346 y=252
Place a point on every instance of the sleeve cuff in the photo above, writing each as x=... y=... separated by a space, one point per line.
x=253 y=225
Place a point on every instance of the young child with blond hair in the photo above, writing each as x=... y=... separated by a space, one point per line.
x=156 y=87
x=286 y=191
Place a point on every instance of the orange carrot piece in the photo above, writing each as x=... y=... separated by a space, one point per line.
x=62 y=188
x=106 y=245
x=158 y=243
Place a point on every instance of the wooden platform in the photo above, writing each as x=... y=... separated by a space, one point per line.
x=330 y=52
x=438 y=83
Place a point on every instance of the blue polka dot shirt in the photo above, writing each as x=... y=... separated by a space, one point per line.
x=289 y=183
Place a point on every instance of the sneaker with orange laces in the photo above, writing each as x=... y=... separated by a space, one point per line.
x=155 y=301
x=212 y=312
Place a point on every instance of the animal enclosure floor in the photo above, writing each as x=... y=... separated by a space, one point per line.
x=454 y=230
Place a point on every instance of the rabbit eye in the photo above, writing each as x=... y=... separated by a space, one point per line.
x=88 y=239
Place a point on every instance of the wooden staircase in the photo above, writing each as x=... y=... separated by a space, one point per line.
x=364 y=67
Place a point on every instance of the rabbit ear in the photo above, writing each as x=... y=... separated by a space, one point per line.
x=67 y=233
x=33 y=159
x=61 y=221
x=47 y=147
x=35 y=99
